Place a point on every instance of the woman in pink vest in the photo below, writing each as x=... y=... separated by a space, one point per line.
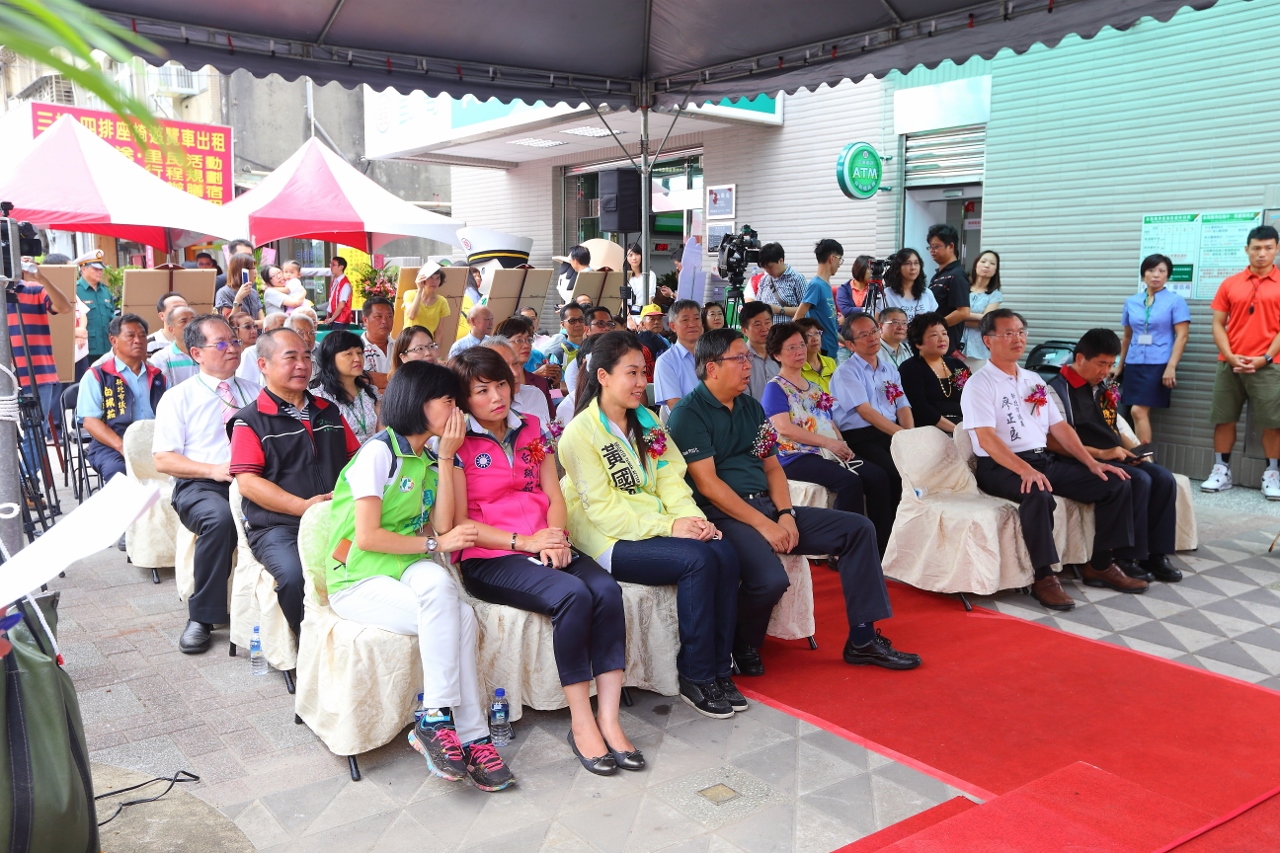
x=507 y=486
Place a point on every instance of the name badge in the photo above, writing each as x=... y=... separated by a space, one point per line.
x=1146 y=340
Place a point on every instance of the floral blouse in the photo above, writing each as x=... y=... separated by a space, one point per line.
x=809 y=408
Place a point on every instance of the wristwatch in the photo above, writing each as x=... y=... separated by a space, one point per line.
x=1267 y=359
x=791 y=511
x=432 y=545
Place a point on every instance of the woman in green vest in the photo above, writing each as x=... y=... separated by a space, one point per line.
x=392 y=513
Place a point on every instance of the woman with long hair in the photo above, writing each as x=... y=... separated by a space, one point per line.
x=277 y=294
x=507 y=486
x=340 y=377
x=984 y=297
x=646 y=287
x=414 y=343
x=393 y=510
x=905 y=285
x=239 y=293
x=631 y=509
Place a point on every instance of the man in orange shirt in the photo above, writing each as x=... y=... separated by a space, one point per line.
x=1246 y=329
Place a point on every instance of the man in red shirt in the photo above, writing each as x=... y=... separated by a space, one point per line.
x=1246 y=329
x=339 y=293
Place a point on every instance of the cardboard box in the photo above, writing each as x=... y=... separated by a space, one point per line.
x=143 y=288
x=62 y=327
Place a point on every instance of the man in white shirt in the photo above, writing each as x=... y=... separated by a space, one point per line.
x=191 y=446
x=674 y=374
x=1009 y=415
x=481 y=319
x=174 y=361
x=379 y=314
x=159 y=338
x=599 y=321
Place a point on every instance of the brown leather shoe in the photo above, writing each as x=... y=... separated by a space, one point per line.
x=1049 y=592
x=1113 y=577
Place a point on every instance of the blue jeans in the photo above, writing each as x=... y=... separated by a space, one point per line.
x=706 y=579
x=33 y=449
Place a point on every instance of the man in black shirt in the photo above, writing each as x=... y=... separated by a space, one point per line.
x=949 y=285
x=1089 y=405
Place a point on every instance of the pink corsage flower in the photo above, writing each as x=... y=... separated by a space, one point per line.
x=656 y=440
x=766 y=440
x=1037 y=398
x=960 y=377
x=892 y=392
x=825 y=402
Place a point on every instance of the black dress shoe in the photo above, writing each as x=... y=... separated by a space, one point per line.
x=195 y=638
x=633 y=760
x=605 y=765
x=1135 y=570
x=732 y=695
x=121 y=544
x=1162 y=570
x=881 y=653
x=706 y=699
x=748 y=661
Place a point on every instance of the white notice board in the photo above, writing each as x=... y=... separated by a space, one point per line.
x=1205 y=247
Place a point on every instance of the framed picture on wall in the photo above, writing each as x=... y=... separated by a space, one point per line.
x=715 y=233
x=721 y=201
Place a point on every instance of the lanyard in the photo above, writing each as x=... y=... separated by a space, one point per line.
x=1147 y=302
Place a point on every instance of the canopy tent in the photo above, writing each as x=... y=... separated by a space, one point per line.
x=69 y=179
x=625 y=54
x=317 y=195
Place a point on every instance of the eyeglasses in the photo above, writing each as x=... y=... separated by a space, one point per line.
x=813 y=336
x=874 y=333
x=221 y=346
x=1021 y=334
x=795 y=349
x=244 y=327
x=900 y=324
x=741 y=359
x=423 y=348
x=598 y=324
x=575 y=321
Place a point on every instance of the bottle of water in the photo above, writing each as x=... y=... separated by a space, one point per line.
x=257 y=660
x=421 y=712
x=500 y=718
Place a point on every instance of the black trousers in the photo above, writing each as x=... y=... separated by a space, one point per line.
x=277 y=549
x=860 y=490
x=1155 y=511
x=1112 y=502
x=203 y=509
x=872 y=445
x=849 y=537
x=105 y=460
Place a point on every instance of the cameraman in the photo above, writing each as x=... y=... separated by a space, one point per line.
x=782 y=287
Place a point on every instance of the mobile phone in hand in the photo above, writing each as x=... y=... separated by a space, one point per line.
x=244 y=276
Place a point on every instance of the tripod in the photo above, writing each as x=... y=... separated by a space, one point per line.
x=733 y=295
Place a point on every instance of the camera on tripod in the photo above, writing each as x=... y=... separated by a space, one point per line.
x=879 y=266
x=21 y=234
x=737 y=252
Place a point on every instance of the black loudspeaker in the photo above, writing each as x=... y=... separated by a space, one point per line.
x=620 y=201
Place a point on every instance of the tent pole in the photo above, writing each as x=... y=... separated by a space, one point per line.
x=646 y=190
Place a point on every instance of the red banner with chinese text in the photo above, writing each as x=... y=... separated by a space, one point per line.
x=203 y=168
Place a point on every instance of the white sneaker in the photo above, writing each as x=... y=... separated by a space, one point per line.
x=1219 y=479
x=1271 y=484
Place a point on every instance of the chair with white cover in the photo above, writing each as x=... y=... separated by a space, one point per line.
x=1187 y=537
x=254 y=602
x=792 y=617
x=356 y=685
x=150 y=539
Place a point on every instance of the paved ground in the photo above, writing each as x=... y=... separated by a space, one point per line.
x=149 y=708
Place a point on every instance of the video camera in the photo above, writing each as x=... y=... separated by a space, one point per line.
x=737 y=252
x=21 y=234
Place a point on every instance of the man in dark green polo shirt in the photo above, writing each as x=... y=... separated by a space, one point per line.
x=93 y=292
x=738 y=482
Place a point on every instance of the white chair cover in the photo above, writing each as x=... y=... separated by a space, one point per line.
x=792 y=617
x=254 y=601
x=150 y=539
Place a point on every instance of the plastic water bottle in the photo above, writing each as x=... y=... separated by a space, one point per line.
x=500 y=718
x=421 y=712
x=257 y=660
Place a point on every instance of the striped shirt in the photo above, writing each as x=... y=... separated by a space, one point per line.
x=35 y=306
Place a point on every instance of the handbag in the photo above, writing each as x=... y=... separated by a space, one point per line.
x=44 y=762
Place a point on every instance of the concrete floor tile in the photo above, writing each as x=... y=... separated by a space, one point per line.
x=279 y=730
x=701 y=844
x=775 y=765
x=537 y=747
x=769 y=831
x=504 y=812
x=817 y=832
x=297 y=808
x=354 y=801
x=1250 y=675
x=358 y=836
x=851 y=802
x=895 y=802
x=845 y=750
x=750 y=795
x=785 y=723
x=529 y=838
x=110 y=703
x=449 y=816
x=606 y=825
x=658 y=824
x=405 y=833
x=260 y=826
x=818 y=769
x=158 y=756
x=676 y=757
x=586 y=789
x=561 y=839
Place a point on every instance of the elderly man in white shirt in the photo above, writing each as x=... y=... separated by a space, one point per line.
x=481 y=319
x=192 y=447
x=1008 y=413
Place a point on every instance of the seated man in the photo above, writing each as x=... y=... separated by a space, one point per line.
x=1090 y=407
x=280 y=478
x=869 y=403
x=738 y=482
x=673 y=373
x=174 y=361
x=379 y=314
x=481 y=320
x=1008 y=412
x=160 y=338
x=893 y=336
x=191 y=446
x=599 y=322
x=757 y=319
x=115 y=394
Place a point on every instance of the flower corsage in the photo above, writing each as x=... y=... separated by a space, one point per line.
x=545 y=443
x=766 y=440
x=656 y=440
x=960 y=377
x=825 y=402
x=1038 y=397
x=892 y=392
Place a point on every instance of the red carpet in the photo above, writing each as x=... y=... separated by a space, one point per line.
x=906 y=828
x=1254 y=830
x=1001 y=702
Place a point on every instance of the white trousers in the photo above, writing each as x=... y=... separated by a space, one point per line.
x=426 y=602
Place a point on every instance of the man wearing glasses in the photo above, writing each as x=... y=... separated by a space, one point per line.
x=730 y=449
x=191 y=446
x=893 y=336
x=870 y=404
x=599 y=321
x=1010 y=417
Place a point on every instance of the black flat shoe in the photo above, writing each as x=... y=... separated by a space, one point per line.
x=605 y=765
x=732 y=695
x=633 y=760
x=1162 y=570
x=748 y=661
x=195 y=638
x=879 y=652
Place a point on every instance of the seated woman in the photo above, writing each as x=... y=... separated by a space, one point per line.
x=506 y=485
x=415 y=343
x=809 y=445
x=392 y=510
x=712 y=316
x=632 y=511
x=817 y=367
x=933 y=380
x=340 y=377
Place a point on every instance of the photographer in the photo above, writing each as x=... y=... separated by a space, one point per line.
x=782 y=287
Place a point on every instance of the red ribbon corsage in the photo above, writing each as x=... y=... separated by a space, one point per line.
x=1037 y=398
x=892 y=392
x=766 y=440
x=545 y=443
x=825 y=402
x=656 y=440
x=960 y=377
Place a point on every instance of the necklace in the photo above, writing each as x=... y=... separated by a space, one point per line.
x=945 y=382
x=357 y=412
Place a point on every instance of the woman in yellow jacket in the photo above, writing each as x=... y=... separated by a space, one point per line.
x=631 y=511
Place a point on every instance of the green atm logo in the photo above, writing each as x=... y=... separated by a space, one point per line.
x=859 y=170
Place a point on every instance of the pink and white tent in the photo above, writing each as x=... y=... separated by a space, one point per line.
x=316 y=195
x=70 y=180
